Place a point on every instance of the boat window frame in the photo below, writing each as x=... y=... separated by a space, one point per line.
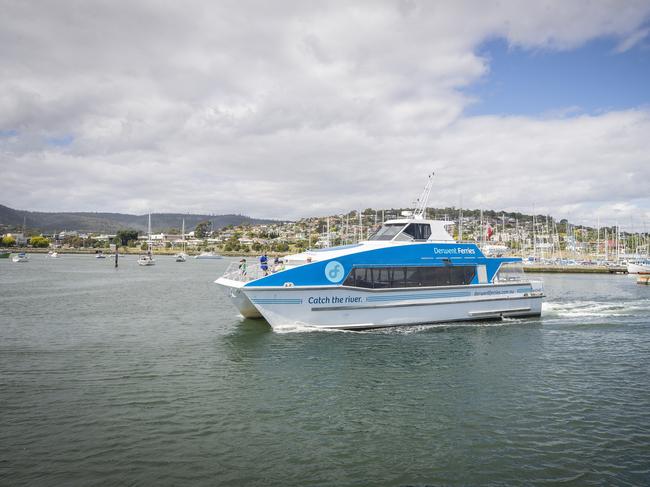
x=417 y=231
x=509 y=272
x=401 y=227
x=406 y=277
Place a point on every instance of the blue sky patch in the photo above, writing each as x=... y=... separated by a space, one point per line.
x=589 y=79
x=63 y=141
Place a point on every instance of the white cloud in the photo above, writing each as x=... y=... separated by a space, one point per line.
x=287 y=109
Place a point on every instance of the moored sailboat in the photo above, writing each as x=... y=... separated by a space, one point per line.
x=182 y=256
x=147 y=259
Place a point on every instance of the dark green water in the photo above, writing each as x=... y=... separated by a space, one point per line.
x=145 y=376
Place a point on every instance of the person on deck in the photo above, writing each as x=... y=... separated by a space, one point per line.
x=264 y=264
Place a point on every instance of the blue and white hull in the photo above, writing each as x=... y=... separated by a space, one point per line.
x=344 y=308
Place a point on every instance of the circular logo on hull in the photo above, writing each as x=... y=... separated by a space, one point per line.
x=334 y=271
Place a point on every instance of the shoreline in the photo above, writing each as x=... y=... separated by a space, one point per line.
x=550 y=269
x=576 y=269
x=130 y=251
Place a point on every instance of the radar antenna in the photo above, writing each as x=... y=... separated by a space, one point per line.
x=423 y=200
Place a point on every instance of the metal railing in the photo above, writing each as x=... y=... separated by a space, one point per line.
x=249 y=272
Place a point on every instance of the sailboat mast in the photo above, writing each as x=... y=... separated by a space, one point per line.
x=360 y=227
x=347 y=228
x=597 y=236
x=534 y=236
x=149 y=236
x=460 y=220
x=482 y=235
x=328 y=232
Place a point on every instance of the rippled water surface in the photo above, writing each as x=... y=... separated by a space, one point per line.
x=146 y=376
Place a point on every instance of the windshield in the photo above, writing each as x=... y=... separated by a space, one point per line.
x=510 y=271
x=387 y=232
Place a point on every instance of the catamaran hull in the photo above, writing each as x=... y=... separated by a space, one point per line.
x=346 y=308
x=238 y=298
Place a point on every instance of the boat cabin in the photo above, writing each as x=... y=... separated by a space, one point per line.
x=414 y=230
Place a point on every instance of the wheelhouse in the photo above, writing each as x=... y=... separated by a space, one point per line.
x=413 y=231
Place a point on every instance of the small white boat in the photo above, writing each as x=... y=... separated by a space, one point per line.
x=639 y=267
x=208 y=255
x=100 y=255
x=147 y=259
x=21 y=257
x=182 y=256
x=54 y=255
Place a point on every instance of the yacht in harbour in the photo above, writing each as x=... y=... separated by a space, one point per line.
x=639 y=267
x=182 y=256
x=147 y=259
x=410 y=272
x=20 y=257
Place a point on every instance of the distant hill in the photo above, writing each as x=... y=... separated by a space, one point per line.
x=112 y=222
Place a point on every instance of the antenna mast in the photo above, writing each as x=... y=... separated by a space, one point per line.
x=423 y=200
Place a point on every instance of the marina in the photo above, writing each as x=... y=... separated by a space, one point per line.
x=576 y=269
x=183 y=390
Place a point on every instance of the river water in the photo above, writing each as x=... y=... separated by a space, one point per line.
x=146 y=376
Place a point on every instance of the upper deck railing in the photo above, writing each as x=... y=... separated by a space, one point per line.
x=247 y=272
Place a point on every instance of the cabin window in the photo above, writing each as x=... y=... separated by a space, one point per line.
x=362 y=278
x=419 y=231
x=510 y=271
x=396 y=277
x=381 y=277
x=387 y=232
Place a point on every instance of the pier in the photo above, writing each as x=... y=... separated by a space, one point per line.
x=577 y=269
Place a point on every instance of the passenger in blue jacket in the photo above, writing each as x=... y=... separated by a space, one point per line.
x=264 y=264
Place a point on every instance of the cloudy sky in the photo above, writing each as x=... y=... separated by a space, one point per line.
x=287 y=109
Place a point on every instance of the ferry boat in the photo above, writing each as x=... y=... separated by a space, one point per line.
x=410 y=272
